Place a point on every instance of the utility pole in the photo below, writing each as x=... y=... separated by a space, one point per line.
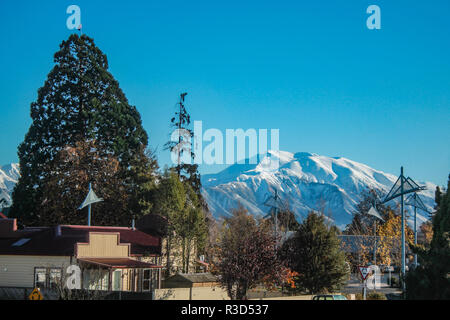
x=403 y=231
x=375 y=249
x=415 y=234
x=373 y=212
x=401 y=187
x=415 y=201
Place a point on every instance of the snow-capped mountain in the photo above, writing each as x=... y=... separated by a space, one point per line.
x=9 y=174
x=305 y=181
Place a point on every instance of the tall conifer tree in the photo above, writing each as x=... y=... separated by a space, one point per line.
x=79 y=102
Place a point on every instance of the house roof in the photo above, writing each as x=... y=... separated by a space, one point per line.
x=61 y=240
x=193 y=277
x=118 y=263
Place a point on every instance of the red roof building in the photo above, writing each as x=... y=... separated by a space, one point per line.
x=121 y=258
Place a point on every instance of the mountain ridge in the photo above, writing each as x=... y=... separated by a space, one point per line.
x=304 y=180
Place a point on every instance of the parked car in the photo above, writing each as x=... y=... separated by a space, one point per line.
x=329 y=297
x=385 y=268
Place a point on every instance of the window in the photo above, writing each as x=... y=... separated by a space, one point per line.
x=146 y=280
x=47 y=277
x=40 y=278
x=149 y=279
x=20 y=242
x=117 y=280
x=54 y=277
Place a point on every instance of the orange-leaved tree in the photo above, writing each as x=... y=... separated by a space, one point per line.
x=389 y=244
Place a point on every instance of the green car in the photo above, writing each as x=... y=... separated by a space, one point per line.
x=329 y=297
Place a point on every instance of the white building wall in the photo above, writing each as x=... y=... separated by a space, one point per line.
x=18 y=270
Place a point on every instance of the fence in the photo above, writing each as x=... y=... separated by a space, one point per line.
x=195 y=293
x=18 y=293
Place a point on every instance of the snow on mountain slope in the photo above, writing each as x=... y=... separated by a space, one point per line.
x=305 y=181
x=9 y=174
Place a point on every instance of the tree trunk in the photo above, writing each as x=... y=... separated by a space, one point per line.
x=183 y=253
x=188 y=254
x=168 y=255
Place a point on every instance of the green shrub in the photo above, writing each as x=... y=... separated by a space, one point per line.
x=371 y=296
x=395 y=282
x=376 y=296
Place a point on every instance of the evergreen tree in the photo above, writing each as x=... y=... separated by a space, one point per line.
x=169 y=202
x=186 y=171
x=191 y=227
x=431 y=279
x=80 y=101
x=437 y=196
x=186 y=224
x=314 y=253
x=188 y=174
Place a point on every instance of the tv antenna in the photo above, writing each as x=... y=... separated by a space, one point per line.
x=275 y=204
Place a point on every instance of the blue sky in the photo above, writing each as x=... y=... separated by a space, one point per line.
x=309 y=68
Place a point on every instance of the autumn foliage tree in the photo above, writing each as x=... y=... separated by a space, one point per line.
x=425 y=234
x=247 y=255
x=70 y=179
x=389 y=244
x=359 y=235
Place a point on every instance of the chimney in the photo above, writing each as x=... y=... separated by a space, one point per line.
x=7 y=227
x=58 y=230
x=133 y=224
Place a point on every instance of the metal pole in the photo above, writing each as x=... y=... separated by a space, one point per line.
x=375 y=249
x=89 y=209
x=403 y=231
x=276 y=218
x=365 y=289
x=390 y=280
x=276 y=226
x=415 y=227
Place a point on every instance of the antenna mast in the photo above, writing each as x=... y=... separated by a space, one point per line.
x=273 y=211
